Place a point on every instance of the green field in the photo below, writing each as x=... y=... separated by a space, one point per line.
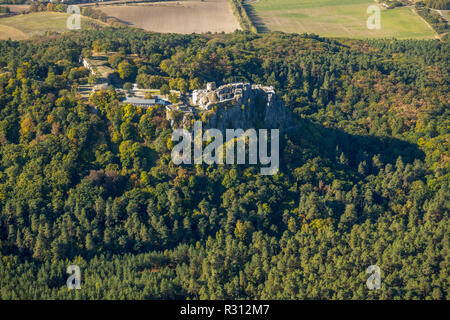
x=26 y=25
x=343 y=18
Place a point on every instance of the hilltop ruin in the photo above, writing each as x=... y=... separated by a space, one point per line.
x=234 y=105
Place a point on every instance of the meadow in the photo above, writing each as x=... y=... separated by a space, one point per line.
x=343 y=18
x=24 y=26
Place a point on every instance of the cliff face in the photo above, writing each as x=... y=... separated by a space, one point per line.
x=233 y=106
x=255 y=107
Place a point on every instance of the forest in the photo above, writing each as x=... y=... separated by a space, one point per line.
x=363 y=180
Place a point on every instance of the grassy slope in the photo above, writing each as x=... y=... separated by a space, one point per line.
x=339 y=18
x=24 y=26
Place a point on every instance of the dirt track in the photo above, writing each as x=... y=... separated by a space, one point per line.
x=177 y=17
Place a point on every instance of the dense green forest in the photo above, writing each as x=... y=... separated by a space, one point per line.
x=364 y=177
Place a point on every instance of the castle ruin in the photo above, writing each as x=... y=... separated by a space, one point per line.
x=234 y=105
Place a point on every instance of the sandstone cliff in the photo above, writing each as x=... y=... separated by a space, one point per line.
x=245 y=107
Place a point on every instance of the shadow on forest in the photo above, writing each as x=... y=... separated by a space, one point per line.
x=256 y=19
x=329 y=143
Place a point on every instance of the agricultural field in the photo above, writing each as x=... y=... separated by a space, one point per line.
x=177 y=17
x=24 y=26
x=16 y=8
x=333 y=18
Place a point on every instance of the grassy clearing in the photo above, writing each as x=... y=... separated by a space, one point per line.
x=25 y=26
x=339 y=18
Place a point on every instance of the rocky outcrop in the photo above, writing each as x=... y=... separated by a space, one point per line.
x=252 y=107
x=233 y=106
